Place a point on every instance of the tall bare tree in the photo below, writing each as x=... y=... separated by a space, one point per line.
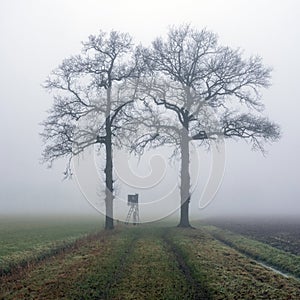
x=202 y=92
x=89 y=96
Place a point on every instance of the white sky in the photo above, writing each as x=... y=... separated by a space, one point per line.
x=36 y=35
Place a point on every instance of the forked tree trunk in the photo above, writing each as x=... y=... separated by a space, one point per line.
x=185 y=180
x=109 y=221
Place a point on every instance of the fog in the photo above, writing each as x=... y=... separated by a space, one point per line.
x=37 y=35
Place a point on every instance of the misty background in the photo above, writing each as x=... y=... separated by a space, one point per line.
x=37 y=35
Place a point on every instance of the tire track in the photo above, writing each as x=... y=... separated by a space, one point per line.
x=120 y=272
x=198 y=291
x=153 y=272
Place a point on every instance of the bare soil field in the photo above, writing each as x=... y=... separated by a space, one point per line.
x=281 y=233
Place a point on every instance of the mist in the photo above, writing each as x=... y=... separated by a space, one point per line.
x=38 y=35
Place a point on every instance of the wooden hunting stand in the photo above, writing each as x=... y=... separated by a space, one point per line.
x=133 y=203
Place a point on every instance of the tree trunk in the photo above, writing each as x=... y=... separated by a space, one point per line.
x=185 y=179
x=109 y=221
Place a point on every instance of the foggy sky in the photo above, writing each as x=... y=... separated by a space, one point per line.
x=37 y=35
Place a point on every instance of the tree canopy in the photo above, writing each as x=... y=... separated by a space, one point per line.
x=89 y=96
x=195 y=89
x=185 y=87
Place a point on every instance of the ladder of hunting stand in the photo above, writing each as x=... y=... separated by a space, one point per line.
x=133 y=210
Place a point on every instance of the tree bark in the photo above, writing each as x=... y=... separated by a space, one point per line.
x=109 y=221
x=185 y=179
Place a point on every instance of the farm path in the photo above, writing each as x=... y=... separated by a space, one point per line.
x=124 y=264
x=156 y=270
x=148 y=262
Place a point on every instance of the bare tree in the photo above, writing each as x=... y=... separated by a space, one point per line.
x=202 y=92
x=89 y=95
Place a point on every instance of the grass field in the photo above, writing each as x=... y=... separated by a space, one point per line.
x=276 y=258
x=143 y=262
x=25 y=239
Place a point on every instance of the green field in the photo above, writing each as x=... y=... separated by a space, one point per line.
x=26 y=239
x=140 y=262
